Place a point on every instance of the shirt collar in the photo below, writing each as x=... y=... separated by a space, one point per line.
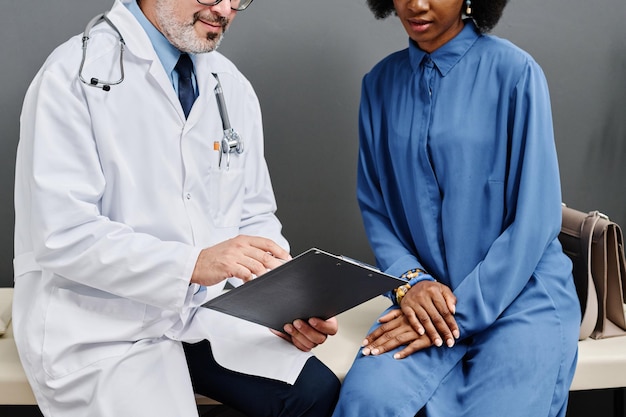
x=447 y=55
x=168 y=54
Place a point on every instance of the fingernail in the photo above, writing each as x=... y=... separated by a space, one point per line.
x=456 y=334
x=450 y=342
x=453 y=309
x=365 y=351
x=421 y=331
x=438 y=342
x=375 y=351
x=298 y=324
x=364 y=342
x=397 y=356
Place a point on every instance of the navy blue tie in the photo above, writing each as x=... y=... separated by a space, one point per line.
x=186 y=92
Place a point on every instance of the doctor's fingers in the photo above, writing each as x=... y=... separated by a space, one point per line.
x=264 y=250
x=244 y=257
x=303 y=336
x=326 y=327
x=218 y=263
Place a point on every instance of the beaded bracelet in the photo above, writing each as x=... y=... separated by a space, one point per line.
x=410 y=275
x=413 y=273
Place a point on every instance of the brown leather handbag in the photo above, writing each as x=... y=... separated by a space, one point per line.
x=595 y=245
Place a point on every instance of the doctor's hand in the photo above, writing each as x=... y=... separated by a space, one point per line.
x=394 y=331
x=243 y=257
x=429 y=307
x=306 y=335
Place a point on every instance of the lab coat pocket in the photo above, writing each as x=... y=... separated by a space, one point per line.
x=227 y=192
x=84 y=328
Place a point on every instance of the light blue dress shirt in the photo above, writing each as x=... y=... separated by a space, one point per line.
x=168 y=54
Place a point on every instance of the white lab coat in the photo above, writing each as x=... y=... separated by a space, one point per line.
x=115 y=196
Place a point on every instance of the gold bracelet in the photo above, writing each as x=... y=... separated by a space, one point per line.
x=401 y=291
x=412 y=273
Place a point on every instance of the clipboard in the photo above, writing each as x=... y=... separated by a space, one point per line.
x=312 y=284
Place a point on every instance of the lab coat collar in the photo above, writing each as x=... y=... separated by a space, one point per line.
x=137 y=41
x=138 y=44
x=168 y=54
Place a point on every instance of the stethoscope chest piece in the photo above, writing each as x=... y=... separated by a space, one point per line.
x=231 y=141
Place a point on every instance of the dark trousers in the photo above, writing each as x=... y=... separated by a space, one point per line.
x=314 y=393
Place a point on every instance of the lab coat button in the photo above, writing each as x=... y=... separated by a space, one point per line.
x=188 y=196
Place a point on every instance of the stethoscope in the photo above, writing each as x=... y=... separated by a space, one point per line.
x=231 y=141
x=94 y=82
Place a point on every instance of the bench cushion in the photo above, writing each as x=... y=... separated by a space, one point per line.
x=14 y=387
x=5 y=310
x=601 y=363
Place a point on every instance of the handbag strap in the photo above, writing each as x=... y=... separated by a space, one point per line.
x=621 y=260
x=590 y=316
x=618 y=249
x=586 y=237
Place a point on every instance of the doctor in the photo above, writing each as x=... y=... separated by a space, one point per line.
x=130 y=214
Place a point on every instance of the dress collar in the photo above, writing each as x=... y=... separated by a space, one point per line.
x=446 y=56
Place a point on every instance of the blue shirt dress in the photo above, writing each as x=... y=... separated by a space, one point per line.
x=458 y=175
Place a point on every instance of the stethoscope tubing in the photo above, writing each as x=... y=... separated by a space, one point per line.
x=95 y=82
x=231 y=141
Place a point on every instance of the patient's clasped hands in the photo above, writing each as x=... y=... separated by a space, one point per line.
x=426 y=318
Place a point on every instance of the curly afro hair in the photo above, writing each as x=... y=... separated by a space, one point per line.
x=486 y=13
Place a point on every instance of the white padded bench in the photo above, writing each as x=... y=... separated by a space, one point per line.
x=14 y=388
x=601 y=363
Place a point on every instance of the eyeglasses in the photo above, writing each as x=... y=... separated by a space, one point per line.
x=238 y=5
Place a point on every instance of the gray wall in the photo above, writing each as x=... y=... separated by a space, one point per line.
x=306 y=60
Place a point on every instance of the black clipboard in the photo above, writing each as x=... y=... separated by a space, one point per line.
x=312 y=284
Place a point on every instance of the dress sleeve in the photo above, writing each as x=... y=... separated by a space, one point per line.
x=532 y=205
x=379 y=228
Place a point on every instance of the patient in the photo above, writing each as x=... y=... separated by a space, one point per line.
x=458 y=185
